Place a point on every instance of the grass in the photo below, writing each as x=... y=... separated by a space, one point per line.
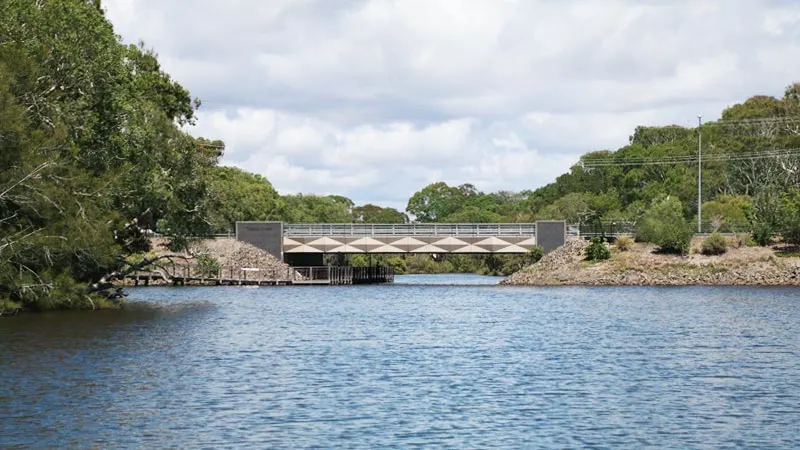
x=624 y=243
x=794 y=253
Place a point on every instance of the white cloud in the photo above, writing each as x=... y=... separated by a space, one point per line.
x=376 y=98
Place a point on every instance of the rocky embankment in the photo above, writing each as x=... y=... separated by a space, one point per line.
x=643 y=266
x=230 y=255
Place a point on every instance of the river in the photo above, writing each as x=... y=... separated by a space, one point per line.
x=432 y=361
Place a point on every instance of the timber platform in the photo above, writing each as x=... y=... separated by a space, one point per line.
x=293 y=276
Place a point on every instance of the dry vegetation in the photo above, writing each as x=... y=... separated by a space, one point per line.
x=642 y=265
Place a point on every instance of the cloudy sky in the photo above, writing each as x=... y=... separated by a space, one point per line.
x=374 y=99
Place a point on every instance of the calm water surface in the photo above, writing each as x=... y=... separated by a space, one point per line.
x=409 y=365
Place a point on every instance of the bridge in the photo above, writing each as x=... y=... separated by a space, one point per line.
x=409 y=238
x=294 y=242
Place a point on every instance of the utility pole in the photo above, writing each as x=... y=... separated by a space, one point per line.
x=699 y=174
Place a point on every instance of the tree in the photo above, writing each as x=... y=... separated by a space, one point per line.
x=473 y=214
x=236 y=195
x=790 y=227
x=302 y=208
x=438 y=200
x=92 y=154
x=730 y=210
x=766 y=214
x=370 y=213
x=664 y=225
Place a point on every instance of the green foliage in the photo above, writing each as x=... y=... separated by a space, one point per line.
x=597 y=251
x=473 y=214
x=715 y=244
x=624 y=243
x=91 y=154
x=427 y=264
x=729 y=210
x=790 y=214
x=508 y=264
x=236 y=195
x=93 y=159
x=302 y=208
x=664 y=225
x=765 y=215
x=438 y=200
x=375 y=214
x=535 y=254
x=9 y=307
x=397 y=262
x=207 y=266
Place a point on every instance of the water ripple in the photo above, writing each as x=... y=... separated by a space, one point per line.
x=437 y=366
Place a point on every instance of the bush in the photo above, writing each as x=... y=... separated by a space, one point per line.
x=535 y=253
x=716 y=244
x=8 y=307
x=790 y=216
x=663 y=224
x=597 y=251
x=765 y=215
x=513 y=263
x=744 y=240
x=207 y=266
x=762 y=233
x=624 y=243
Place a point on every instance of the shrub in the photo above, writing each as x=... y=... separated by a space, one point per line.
x=765 y=215
x=744 y=240
x=207 y=266
x=597 y=251
x=513 y=263
x=716 y=244
x=762 y=233
x=8 y=307
x=624 y=243
x=663 y=224
x=535 y=253
x=790 y=216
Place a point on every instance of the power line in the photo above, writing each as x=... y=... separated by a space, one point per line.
x=756 y=121
x=671 y=160
x=690 y=158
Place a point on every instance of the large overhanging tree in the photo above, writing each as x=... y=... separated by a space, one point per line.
x=92 y=154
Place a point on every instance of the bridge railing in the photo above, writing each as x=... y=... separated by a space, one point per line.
x=411 y=229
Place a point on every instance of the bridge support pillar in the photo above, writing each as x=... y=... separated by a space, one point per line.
x=551 y=234
x=267 y=236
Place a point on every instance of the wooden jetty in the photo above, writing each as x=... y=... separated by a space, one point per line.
x=244 y=276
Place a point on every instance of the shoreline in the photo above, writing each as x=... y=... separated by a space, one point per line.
x=642 y=265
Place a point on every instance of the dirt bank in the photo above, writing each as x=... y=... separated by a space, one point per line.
x=231 y=256
x=642 y=265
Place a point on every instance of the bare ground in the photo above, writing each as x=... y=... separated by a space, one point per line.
x=643 y=265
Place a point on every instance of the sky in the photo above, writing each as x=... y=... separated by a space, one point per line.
x=375 y=99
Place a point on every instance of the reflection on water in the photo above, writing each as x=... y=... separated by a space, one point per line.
x=440 y=365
